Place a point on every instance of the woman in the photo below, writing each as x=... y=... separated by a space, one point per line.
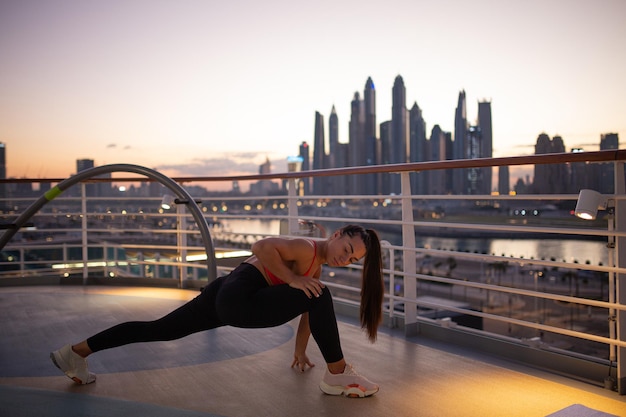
x=276 y=284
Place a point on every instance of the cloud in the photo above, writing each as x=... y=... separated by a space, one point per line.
x=223 y=164
x=111 y=145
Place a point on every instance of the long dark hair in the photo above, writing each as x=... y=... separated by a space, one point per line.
x=372 y=285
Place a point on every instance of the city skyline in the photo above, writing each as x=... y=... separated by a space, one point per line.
x=206 y=89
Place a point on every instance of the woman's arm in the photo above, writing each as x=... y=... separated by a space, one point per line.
x=300 y=359
x=276 y=254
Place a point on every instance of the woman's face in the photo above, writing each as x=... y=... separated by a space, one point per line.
x=344 y=250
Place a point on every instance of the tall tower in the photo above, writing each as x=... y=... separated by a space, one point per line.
x=306 y=166
x=334 y=157
x=399 y=130
x=459 y=176
x=437 y=178
x=319 y=152
x=372 y=157
x=560 y=172
x=418 y=149
x=504 y=182
x=473 y=176
x=486 y=144
x=384 y=184
x=3 y=162
x=542 y=171
x=550 y=178
x=333 y=139
x=82 y=165
x=356 y=141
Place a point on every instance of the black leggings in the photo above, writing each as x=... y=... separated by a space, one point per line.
x=241 y=299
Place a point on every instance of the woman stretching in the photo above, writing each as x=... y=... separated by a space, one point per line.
x=276 y=284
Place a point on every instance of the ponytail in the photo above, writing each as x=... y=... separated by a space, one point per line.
x=372 y=285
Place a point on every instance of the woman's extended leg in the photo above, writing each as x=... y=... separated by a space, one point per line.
x=197 y=315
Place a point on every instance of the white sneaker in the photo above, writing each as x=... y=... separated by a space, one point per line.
x=73 y=365
x=348 y=383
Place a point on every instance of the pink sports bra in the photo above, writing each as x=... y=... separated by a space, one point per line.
x=277 y=281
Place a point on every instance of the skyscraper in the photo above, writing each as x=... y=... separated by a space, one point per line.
x=583 y=174
x=356 y=142
x=550 y=178
x=100 y=189
x=471 y=142
x=3 y=162
x=319 y=152
x=82 y=165
x=473 y=177
x=371 y=150
x=384 y=184
x=399 y=130
x=504 y=182
x=333 y=138
x=418 y=149
x=336 y=157
x=264 y=187
x=437 y=178
x=459 y=176
x=486 y=145
x=306 y=166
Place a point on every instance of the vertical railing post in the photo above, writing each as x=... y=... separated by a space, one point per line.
x=181 y=241
x=105 y=259
x=620 y=262
x=392 y=284
x=292 y=206
x=408 y=256
x=157 y=267
x=22 y=261
x=83 y=210
x=141 y=264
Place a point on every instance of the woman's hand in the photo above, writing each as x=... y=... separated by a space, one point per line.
x=310 y=286
x=301 y=361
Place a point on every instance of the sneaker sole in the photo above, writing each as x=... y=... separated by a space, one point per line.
x=352 y=391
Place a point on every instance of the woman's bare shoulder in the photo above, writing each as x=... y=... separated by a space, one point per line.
x=294 y=246
x=299 y=243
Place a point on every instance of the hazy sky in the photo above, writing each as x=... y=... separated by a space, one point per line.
x=215 y=87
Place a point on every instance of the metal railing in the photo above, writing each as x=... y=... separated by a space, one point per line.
x=569 y=305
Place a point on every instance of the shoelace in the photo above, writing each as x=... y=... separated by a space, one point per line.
x=349 y=370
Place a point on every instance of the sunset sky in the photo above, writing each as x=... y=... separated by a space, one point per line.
x=215 y=87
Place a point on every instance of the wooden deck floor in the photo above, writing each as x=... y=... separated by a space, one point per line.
x=234 y=372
